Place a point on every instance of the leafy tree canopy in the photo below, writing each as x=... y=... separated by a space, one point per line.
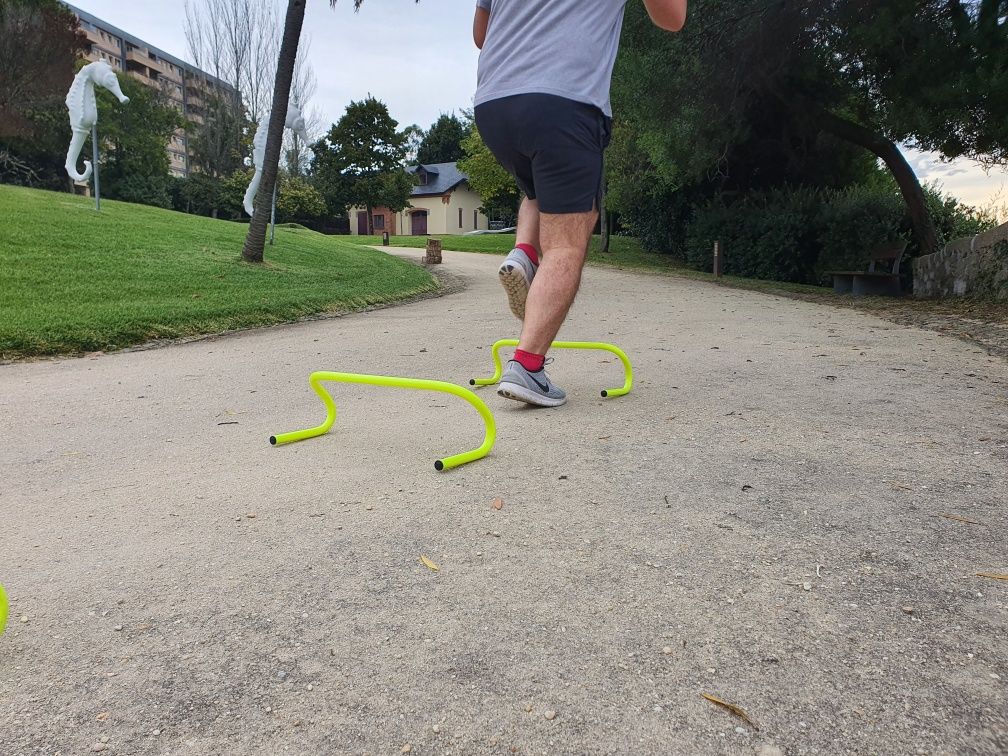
x=360 y=161
x=442 y=143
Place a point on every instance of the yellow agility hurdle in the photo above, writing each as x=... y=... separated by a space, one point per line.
x=627 y=367
x=3 y=610
x=420 y=384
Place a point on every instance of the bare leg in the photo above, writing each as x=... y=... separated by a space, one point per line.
x=565 y=246
x=528 y=224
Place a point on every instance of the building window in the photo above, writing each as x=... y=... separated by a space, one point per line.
x=379 y=222
x=422 y=177
x=460 y=217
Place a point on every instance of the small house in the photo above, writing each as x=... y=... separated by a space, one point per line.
x=442 y=203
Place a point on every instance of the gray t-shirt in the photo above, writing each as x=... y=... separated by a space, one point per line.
x=558 y=47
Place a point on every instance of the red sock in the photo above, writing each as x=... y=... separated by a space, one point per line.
x=531 y=362
x=530 y=252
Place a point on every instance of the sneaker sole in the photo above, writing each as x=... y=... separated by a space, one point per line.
x=521 y=394
x=512 y=278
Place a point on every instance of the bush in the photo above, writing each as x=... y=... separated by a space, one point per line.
x=142 y=190
x=232 y=195
x=852 y=223
x=771 y=235
x=299 y=201
x=198 y=194
x=799 y=235
x=953 y=219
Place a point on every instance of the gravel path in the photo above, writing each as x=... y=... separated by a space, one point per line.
x=788 y=513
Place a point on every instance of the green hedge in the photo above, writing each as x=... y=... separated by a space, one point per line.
x=799 y=234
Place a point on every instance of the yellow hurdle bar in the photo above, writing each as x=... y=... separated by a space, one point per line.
x=420 y=384
x=3 y=610
x=627 y=367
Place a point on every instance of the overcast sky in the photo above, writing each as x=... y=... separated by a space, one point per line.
x=420 y=60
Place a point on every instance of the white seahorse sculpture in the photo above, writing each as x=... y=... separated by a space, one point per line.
x=296 y=123
x=83 y=109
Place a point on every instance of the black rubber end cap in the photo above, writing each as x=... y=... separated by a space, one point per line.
x=605 y=394
x=273 y=440
x=472 y=381
x=439 y=465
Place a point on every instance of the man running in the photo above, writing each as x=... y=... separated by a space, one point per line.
x=542 y=107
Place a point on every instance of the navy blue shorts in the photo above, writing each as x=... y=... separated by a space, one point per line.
x=551 y=145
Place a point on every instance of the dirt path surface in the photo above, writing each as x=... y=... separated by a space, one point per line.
x=761 y=520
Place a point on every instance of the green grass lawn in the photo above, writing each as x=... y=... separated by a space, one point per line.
x=73 y=280
x=624 y=252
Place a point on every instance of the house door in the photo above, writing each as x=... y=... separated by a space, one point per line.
x=362 y=227
x=419 y=223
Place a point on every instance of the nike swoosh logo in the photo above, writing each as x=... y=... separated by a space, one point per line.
x=542 y=386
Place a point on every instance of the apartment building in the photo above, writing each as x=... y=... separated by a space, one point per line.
x=185 y=86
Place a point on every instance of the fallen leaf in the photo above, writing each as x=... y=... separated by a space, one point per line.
x=103 y=716
x=957 y=518
x=497 y=503
x=900 y=486
x=429 y=564
x=604 y=438
x=993 y=575
x=738 y=711
x=747 y=487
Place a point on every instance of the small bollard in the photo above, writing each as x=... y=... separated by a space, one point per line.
x=385 y=238
x=718 y=259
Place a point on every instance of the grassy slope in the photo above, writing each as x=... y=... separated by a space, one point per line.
x=73 y=280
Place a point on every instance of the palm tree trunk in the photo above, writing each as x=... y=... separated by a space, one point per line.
x=255 y=242
x=880 y=146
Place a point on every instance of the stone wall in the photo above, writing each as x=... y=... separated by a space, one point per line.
x=976 y=266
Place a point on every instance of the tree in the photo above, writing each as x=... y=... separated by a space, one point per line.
x=134 y=138
x=218 y=147
x=237 y=41
x=40 y=41
x=495 y=185
x=442 y=143
x=360 y=161
x=255 y=242
x=794 y=77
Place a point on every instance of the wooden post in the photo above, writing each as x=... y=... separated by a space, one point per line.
x=718 y=259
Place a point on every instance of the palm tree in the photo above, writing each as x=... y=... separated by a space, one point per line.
x=255 y=242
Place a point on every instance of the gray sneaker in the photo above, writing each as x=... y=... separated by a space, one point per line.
x=516 y=274
x=532 y=388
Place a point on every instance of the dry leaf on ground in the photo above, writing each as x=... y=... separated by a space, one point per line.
x=103 y=716
x=993 y=575
x=497 y=503
x=429 y=564
x=957 y=518
x=738 y=711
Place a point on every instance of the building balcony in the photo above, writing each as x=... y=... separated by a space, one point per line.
x=137 y=55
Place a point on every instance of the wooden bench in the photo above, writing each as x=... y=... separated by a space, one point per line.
x=870 y=282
